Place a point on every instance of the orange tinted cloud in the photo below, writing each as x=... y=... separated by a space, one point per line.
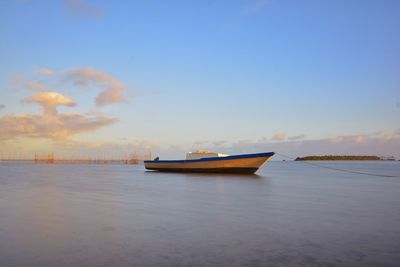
x=35 y=86
x=51 y=123
x=279 y=137
x=112 y=89
x=358 y=139
x=45 y=71
x=56 y=125
x=50 y=100
x=60 y=126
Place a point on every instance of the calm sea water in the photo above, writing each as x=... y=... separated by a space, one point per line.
x=290 y=214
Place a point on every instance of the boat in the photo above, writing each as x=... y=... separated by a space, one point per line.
x=211 y=162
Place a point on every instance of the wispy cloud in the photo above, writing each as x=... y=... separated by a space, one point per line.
x=35 y=86
x=17 y=79
x=59 y=126
x=389 y=136
x=279 y=137
x=82 y=8
x=2 y=106
x=112 y=89
x=201 y=142
x=219 y=143
x=359 y=139
x=45 y=71
x=297 y=137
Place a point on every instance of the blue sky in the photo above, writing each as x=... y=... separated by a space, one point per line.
x=254 y=74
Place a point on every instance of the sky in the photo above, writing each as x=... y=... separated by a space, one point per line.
x=87 y=77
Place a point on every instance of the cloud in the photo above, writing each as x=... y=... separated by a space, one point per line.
x=385 y=144
x=279 y=137
x=17 y=79
x=60 y=126
x=147 y=145
x=2 y=106
x=205 y=145
x=201 y=142
x=297 y=137
x=113 y=90
x=35 y=86
x=337 y=139
x=359 y=139
x=82 y=8
x=45 y=71
x=219 y=143
x=387 y=136
x=243 y=142
x=51 y=124
x=50 y=100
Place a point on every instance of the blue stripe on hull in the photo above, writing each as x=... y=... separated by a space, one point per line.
x=211 y=170
x=243 y=156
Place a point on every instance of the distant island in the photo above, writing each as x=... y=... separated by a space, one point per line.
x=336 y=157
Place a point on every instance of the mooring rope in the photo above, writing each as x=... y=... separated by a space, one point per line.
x=337 y=169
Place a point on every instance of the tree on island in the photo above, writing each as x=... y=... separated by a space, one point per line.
x=337 y=157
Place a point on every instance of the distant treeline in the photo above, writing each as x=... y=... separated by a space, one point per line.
x=333 y=157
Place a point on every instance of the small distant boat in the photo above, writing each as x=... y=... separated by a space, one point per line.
x=211 y=162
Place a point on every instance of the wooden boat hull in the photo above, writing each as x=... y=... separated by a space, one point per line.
x=244 y=164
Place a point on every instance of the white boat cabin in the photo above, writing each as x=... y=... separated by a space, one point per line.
x=199 y=154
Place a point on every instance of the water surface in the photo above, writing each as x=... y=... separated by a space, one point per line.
x=289 y=214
